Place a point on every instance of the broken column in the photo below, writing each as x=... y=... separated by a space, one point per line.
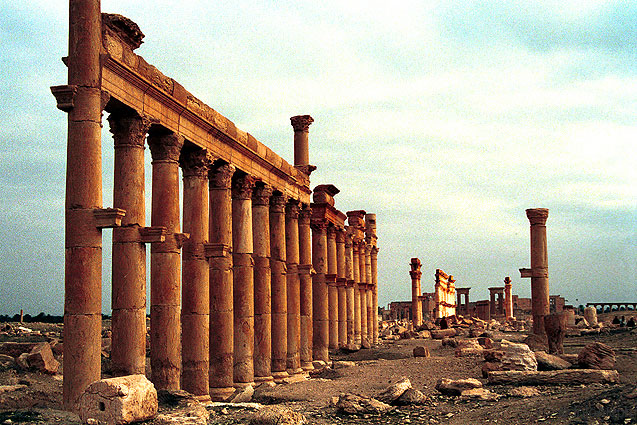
x=195 y=305
x=508 y=299
x=332 y=290
x=293 y=286
x=416 y=306
x=220 y=288
x=305 y=277
x=165 y=262
x=539 y=272
x=279 y=287
x=262 y=283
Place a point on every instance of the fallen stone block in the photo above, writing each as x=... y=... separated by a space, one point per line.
x=449 y=342
x=421 y=351
x=394 y=391
x=553 y=377
x=243 y=395
x=524 y=392
x=409 y=397
x=547 y=361
x=120 y=400
x=341 y=364
x=274 y=415
x=469 y=347
x=355 y=404
x=517 y=357
x=596 y=356
x=479 y=394
x=456 y=386
x=41 y=358
x=441 y=333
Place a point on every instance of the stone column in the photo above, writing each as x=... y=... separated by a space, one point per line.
x=341 y=282
x=416 y=306
x=165 y=263
x=349 y=275
x=368 y=271
x=279 y=287
x=375 y=291
x=492 y=302
x=332 y=294
x=195 y=305
x=221 y=293
x=319 y=292
x=128 y=354
x=301 y=125
x=305 y=276
x=293 y=363
x=357 y=293
x=363 y=294
x=508 y=299
x=539 y=267
x=262 y=283
x=243 y=279
x=81 y=98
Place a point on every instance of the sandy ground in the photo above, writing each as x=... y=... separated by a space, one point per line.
x=374 y=370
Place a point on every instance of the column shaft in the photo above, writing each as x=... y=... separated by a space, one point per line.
x=305 y=276
x=279 y=287
x=319 y=292
x=340 y=284
x=293 y=363
x=363 y=294
x=370 y=307
x=539 y=267
x=375 y=291
x=349 y=290
x=357 y=297
x=332 y=268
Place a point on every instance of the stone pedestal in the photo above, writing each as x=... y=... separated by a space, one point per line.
x=195 y=304
x=416 y=306
x=319 y=292
x=332 y=293
x=128 y=354
x=279 y=287
x=262 y=284
x=221 y=292
x=305 y=276
x=243 y=280
x=293 y=363
x=165 y=263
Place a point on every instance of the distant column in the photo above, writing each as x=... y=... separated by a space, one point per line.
x=375 y=291
x=305 y=275
x=332 y=268
x=363 y=293
x=293 y=363
x=195 y=300
x=357 y=293
x=416 y=306
x=165 y=267
x=508 y=299
x=243 y=280
x=349 y=275
x=371 y=237
x=493 y=309
x=279 y=287
x=370 y=307
x=220 y=288
x=539 y=272
x=301 y=125
x=262 y=283
x=319 y=292
x=341 y=282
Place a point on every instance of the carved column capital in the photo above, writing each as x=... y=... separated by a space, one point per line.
x=331 y=232
x=349 y=240
x=305 y=215
x=340 y=235
x=277 y=203
x=129 y=130
x=261 y=195
x=221 y=176
x=165 y=147
x=242 y=187
x=375 y=250
x=292 y=209
x=537 y=216
x=301 y=122
x=415 y=274
x=319 y=225
x=195 y=163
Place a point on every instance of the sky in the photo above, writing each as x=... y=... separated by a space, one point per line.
x=445 y=118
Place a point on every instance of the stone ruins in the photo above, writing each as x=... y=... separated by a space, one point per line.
x=261 y=281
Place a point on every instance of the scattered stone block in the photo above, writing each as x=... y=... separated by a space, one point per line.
x=449 y=342
x=441 y=333
x=489 y=367
x=409 y=397
x=355 y=404
x=6 y=361
x=555 y=327
x=421 y=351
x=485 y=342
x=22 y=361
x=517 y=357
x=524 y=392
x=590 y=315
x=275 y=415
x=537 y=342
x=547 y=361
x=341 y=364
x=553 y=377
x=41 y=358
x=493 y=355
x=243 y=395
x=318 y=364
x=120 y=400
x=479 y=394
x=11 y=388
x=571 y=358
x=394 y=391
x=596 y=356
x=14 y=349
x=456 y=386
x=469 y=347
x=425 y=334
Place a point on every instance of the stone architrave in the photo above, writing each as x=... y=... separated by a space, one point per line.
x=319 y=291
x=539 y=271
x=195 y=305
x=128 y=354
x=293 y=363
x=278 y=267
x=243 y=279
x=305 y=276
x=349 y=275
x=262 y=283
x=221 y=292
x=341 y=281
x=508 y=299
x=332 y=290
x=165 y=263
x=416 y=306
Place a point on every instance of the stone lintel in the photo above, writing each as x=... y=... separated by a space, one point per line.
x=108 y=217
x=462 y=290
x=217 y=250
x=152 y=234
x=496 y=289
x=441 y=274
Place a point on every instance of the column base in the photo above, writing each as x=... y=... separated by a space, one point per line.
x=307 y=366
x=279 y=376
x=203 y=398
x=242 y=385
x=295 y=371
x=261 y=379
x=221 y=394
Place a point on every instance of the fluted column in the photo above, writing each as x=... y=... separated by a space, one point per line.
x=221 y=292
x=305 y=275
x=294 y=290
x=539 y=268
x=165 y=263
x=279 y=286
x=262 y=283
x=195 y=304
x=363 y=293
x=416 y=306
x=357 y=293
x=319 y=292
x=349 y=275
x=243 y=279
x=375 y=291
x=332 y=294
x=508 y=299
x=128 y=354
x=341 y=282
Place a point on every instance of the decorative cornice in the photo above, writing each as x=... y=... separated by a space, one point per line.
x=221 y=176
x=537 y=216
x=165 y=147
x=242 y=187
x=301 y=122
x=127 y=30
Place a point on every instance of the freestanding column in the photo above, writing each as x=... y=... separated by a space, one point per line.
x=508 y=299
x=363 y=294
x=128 y=354
x=243 y=279
x=416 y=306
x=341 y=282
x=301 y=125
x=371 y=237
x=279 y=287
x=332 y=290
x=375 y=291
x=165 y=263
x=349 y=274
x=83 y=238
x=539 y=272
x=305 y=276
x=319 y=292
x=195 y=305
x=221 y=292
x=357 y=294
x=293 y=363
x=262 y=284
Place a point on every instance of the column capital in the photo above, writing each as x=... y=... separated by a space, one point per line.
x=349 y=239
x=331 y=232
x=415 y=274
x=375 y=250
x=319 y=225
x=277 y=203
x=416 y=264
x=165 y=147
x=242 y=186
x=301 y=122
x=507 y=281
x=292 y=209
x=195 y=163
x=221 y=176
x=261 y=195
x=537 y=215
x=340 y=235
x=305 y=215
x=129 y=130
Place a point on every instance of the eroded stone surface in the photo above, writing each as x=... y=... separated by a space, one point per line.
x=597 y=356
x=394 y=391
x=456 y=386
